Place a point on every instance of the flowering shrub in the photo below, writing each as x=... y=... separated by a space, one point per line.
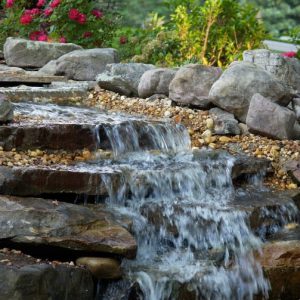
x=289 y=54
x=62 y=21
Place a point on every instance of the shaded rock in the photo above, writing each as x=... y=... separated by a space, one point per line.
x=192 y=83
x=101 y=268
x=1 y=54
x=281 y=263
x=296 y=107
x=235 y=88
x=224 y=122
x=22 y=277
x=156 y=81
x=24 y=53
x=270 y=119
x=284 y=68
x=246 y=166
x=293 y=168
x=62 y=225
x=6 y=109
x=123 y=78
x=82 y=65
x=296 y=131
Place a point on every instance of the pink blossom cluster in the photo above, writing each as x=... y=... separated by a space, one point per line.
x=289 y=54
x=77 y=16
x=38 y=36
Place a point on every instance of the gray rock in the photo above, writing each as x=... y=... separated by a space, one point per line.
x=156 y=81
x=123 y=78
x=192 y=83
x=284 y=68
x=235 y=88
x=296 y=107
x=48 y=69
x=7 y=69
x=25 y=278
x=82 y=65
x=6 y=109
x=296 y=131
x=25 y=53
x=1 y=54
x=224 y=122
x=270 y=119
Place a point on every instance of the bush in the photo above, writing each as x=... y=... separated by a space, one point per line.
x=213 y=33
x=73 y=21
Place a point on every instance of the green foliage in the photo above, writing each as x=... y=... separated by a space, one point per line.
x=279 y=16
x=74 y=21
x=214 y=33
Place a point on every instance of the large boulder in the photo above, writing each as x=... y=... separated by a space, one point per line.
x=123 y=78
x=284 y=68
x=6 y=109
x=156 y=81
x=224 y=122
x=25 y=53
x=235 y=88
x=270 y=119
x=82 y=65
x=192 y=83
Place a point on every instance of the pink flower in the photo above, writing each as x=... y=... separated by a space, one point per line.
x=41 y=3
x=9 y=3
x=43 y=37
x=73 y=14
x=34 y=35
x=48 y=12
x=97 y=13
x=87 y=34
x=54 y=3
x=81 y=19
x=62 y=40
x=123 y=40
x=289 y=54
x=32 y=12
x=25 y=19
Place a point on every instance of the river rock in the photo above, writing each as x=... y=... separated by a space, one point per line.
x=24 y=53
x=82 y=65
x=270 y=119
x=284 y=68
x=156 y=81
x=192 y=83
x=40 y=222
x=235 y=88
x=123 y=78
x=6 y=110
x=23 y=277
x=4 y=69
x=101 y=268
x=224 y=122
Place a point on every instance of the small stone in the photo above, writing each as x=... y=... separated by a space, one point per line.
x=209 y=123
x=168 y=114
x=101 y=268
x=224 y=139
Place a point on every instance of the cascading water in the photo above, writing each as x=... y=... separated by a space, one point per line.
x=192 y=236
x=189 y=233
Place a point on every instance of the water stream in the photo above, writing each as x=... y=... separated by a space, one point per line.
x=192 y=238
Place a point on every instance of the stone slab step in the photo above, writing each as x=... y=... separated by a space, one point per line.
x=39 y=222
x=87 y=178
x=28 y=77
x=42 y=279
